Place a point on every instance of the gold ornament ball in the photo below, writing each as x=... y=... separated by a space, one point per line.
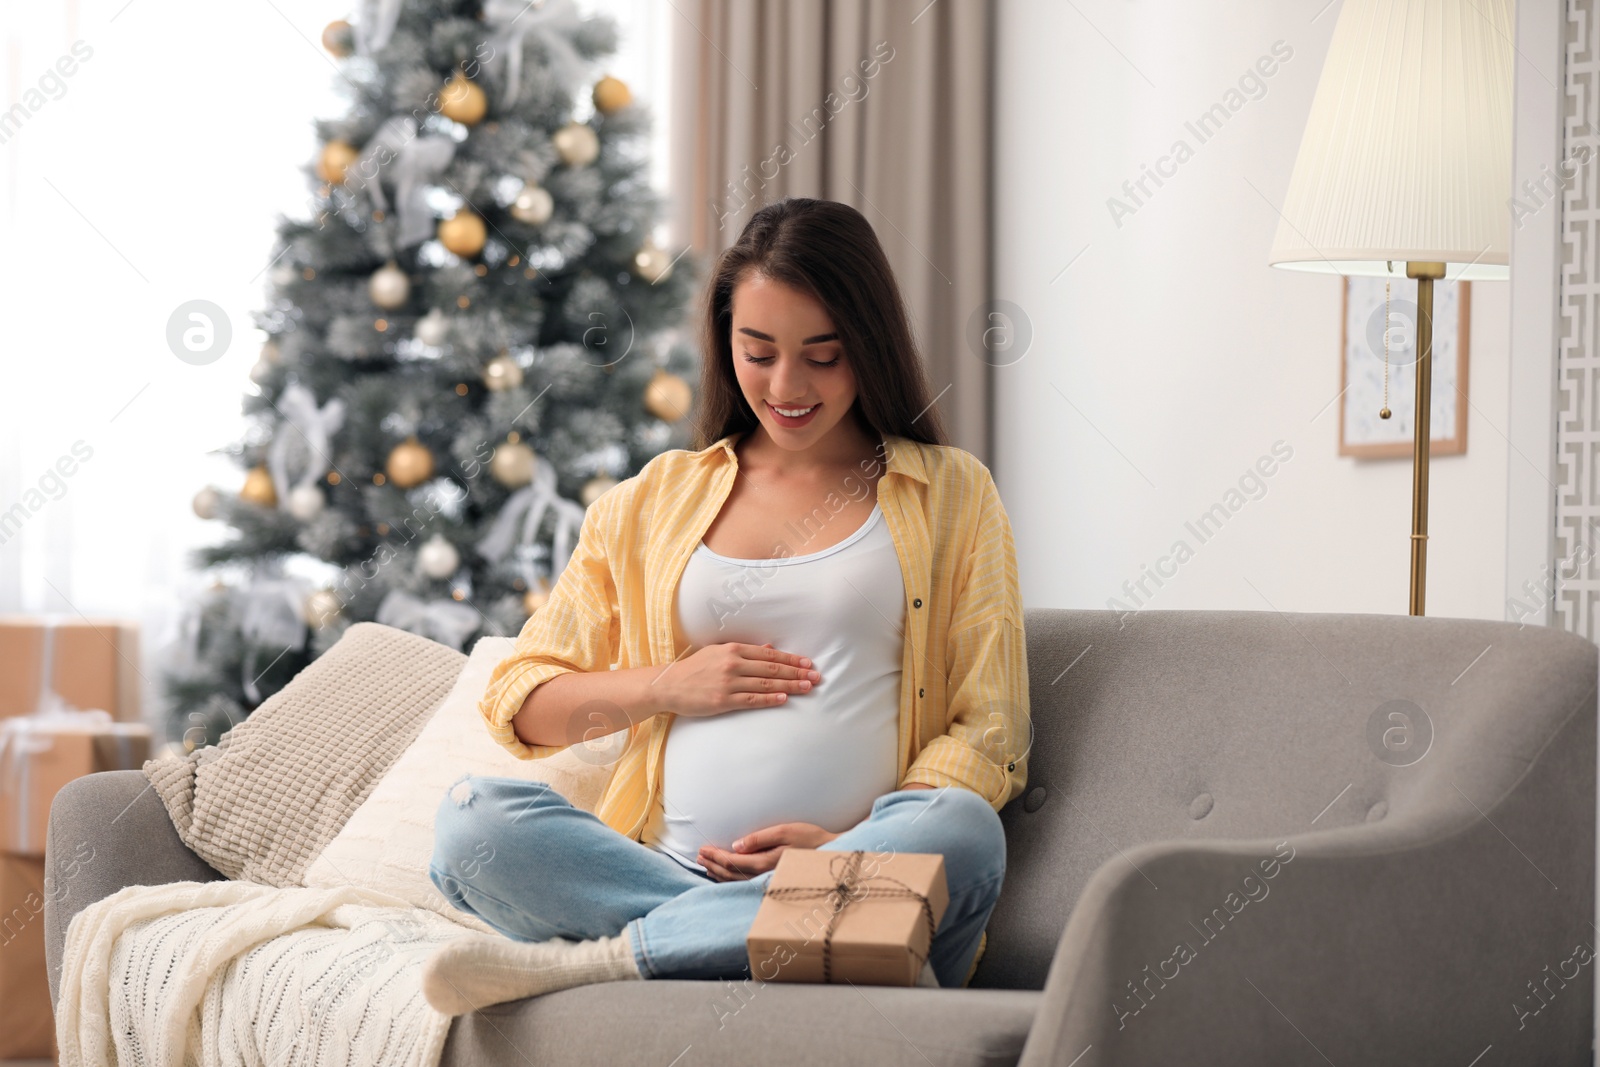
x=410 y=464
x=502 y=373
x=1385 y=413
x=389 y=287
x=461 y=99
x=533 y=205
x=652 y=263
x=512 y=464
x=463 y=233
x=667 y=396
x=338 y=37
x=611 y=95
x=594 y=487
x=535 y=598
x=258 y=489
x=576 y=143
x=335 y=161
x=322 y=608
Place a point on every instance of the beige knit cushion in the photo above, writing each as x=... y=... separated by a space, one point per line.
x=261 y=804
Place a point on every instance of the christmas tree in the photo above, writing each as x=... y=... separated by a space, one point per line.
x=471 y=338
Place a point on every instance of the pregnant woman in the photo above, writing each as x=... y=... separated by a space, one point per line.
x=805 y=633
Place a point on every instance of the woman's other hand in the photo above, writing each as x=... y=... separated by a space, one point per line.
x=758 y=851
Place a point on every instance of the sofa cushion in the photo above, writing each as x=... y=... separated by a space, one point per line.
x=775 y=1024
x=262 y=803
x=387 y=843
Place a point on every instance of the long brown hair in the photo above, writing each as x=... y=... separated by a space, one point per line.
x=829 y=250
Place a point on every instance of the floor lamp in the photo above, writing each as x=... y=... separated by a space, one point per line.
x=1405 y=165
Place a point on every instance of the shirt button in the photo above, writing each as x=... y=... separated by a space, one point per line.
x=917 y=603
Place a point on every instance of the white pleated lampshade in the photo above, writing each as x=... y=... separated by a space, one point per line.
x=1407 y=152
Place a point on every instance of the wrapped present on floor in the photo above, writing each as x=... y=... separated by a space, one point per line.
x=39 y=754
x=26 y=1027
x=834 y=916
x=67 y=661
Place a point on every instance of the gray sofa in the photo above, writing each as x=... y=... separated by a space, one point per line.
x=1247 y=838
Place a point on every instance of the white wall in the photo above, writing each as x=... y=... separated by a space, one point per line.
x=1169 y=357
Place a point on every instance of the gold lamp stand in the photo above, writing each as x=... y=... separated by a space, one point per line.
x=1425 y=273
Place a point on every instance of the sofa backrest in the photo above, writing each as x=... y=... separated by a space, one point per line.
x=1162 y=725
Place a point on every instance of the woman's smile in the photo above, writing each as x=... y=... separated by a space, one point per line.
x=793 y=421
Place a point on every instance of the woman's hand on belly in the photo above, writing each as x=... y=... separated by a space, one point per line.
x=757 y=852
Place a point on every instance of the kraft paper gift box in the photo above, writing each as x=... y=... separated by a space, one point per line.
x=862 y=917
x=89 y=663
x=40 y=755
x=27 y=1029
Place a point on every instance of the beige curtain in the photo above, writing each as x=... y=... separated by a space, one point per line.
x=880 y=104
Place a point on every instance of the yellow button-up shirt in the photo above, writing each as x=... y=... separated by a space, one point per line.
x=964 y=713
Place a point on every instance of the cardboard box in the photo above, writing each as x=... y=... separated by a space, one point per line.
x=40 y=756
x=883 y=907
x=94 y=664
x=27 y=1025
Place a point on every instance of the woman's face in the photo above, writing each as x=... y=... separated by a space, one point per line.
x=787 y=356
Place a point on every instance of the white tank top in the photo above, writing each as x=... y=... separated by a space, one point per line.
x=820 y=757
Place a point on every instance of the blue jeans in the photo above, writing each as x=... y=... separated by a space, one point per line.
x=519 y=856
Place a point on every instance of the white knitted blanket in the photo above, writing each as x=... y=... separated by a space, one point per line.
x=235 y=973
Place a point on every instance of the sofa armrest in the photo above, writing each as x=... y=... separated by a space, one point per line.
x=1424 y=937
x=107 y=831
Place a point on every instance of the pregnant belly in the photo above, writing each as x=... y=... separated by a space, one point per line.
x=729 y=774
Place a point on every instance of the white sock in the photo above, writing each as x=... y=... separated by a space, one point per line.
x=477 y=970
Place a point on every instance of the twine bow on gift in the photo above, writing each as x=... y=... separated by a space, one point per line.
x=413 y=164
x=525 y=509
x=552 y=24
x=445 y=621
x=849 y=886
x=25 y=736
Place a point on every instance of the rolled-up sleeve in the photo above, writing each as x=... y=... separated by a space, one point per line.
x=577 y=629
x=990 y=728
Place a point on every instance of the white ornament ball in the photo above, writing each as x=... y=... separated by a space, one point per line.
x=512 y=464
x=306 y=502
x=652 y=263
x=534 y=205
x=577 y=143
x=206 y=502
x=284 y=274
x=389 y=286
x=502 y=373
x=322 y=608
x=431 y=328
x=438 y=558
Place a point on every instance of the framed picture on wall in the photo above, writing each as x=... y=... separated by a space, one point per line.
x=1362 y=433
